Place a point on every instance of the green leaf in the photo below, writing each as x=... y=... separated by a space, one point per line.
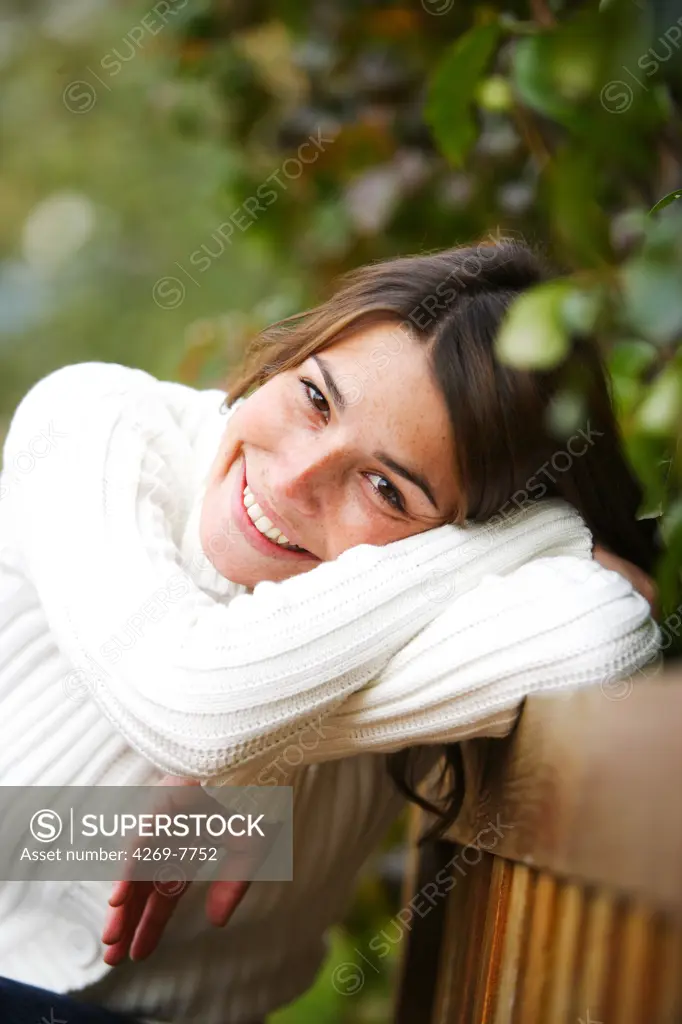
x=534 y=334
x=573 y=74
x=580 y=223
x=627 y=362
x=557 y=72
x=533 y=81
x=670 y=585
x=666 y=200
x=661 y=411
x=648 y=455
x=663 y=235
x=580 y=309
x=652 y=293
x=626 y=394
x=671 y=521
x=453 y=89
x=630 y=357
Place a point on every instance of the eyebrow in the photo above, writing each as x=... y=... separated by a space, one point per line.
x=341 y=405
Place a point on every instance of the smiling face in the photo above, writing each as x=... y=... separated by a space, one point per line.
x=329 y=474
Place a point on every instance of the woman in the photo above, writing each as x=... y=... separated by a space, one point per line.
x=378 y=553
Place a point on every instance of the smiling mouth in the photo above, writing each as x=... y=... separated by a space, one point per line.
x=264 y=525
x=254 y=513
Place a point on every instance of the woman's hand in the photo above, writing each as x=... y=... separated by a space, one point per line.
x=637 y=577
x=140 y=910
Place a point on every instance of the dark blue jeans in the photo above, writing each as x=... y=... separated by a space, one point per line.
x=24 y=1004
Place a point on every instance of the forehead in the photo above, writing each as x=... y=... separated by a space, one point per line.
x=387 y=365
x=394 y=399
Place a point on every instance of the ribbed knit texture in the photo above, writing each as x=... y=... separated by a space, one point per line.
x=434 y=638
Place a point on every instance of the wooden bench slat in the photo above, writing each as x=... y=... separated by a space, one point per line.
x=564 y=953
x=514 y=938
x=597 y=938
x=564 y=870
x=586 y=788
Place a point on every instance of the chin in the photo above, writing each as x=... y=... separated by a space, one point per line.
x=232 y=557
x=249 y=570
x=223 y=549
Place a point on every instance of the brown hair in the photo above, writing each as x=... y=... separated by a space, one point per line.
x=454 y=301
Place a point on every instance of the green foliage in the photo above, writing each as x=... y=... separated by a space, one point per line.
x=156 y=209
x=534 y=335
x=453 y=87
x=666 y=200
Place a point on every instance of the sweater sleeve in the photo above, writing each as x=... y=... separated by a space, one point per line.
x=205 y=686
x=550 y=625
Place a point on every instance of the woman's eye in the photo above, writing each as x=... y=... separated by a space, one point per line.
x=307 y=387
x=394 y=498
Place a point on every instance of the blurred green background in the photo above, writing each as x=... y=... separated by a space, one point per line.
x=176 y=175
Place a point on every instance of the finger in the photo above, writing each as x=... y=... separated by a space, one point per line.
x=114 y=925
x=157 y=913
x=124 y=888
x=223 y=899
x=123 y=920
x=115 y=955
x=122 y=891
x=123 y=923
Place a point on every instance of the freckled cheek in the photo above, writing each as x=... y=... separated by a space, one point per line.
x=352 y=529
x=264 y=429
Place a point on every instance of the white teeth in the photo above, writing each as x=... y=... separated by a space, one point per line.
x=261 y=522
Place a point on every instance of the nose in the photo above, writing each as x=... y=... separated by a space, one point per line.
x=308 y=475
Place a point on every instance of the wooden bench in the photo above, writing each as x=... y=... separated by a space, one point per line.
x=557 y=896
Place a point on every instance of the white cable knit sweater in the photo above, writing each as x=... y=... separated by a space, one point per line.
x=124 y=656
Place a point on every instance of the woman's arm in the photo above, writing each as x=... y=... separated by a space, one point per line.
x=206 y=686
x=552 y=624
x=641 y=581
